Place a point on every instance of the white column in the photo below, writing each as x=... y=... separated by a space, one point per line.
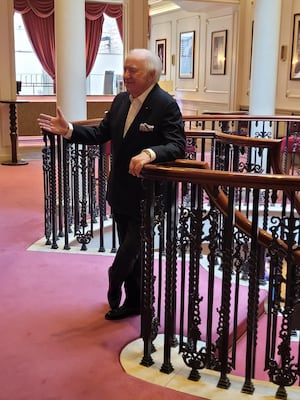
x=135 y=24
x=7 y=52
x=7 y=74
x=265 y=57
x=70 y=58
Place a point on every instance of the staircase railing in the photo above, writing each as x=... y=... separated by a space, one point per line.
x=75 y=177
x=211 y=234
x=231 y=209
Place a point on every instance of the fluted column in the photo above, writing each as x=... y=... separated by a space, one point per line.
x=265 y=49
x=70 y=57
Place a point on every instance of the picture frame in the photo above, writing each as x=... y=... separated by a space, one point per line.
x=186 y=54
x=218 y=52
x=295 y=61
x=160 y=49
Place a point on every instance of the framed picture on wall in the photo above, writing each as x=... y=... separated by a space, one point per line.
x=186 y=54
x=160 y=49
x=218 y=53
x=295 y=63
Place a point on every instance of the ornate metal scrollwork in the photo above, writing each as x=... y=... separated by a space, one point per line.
x=195 y=360
x=284 y=371
x=46 y=155
x=84 y=238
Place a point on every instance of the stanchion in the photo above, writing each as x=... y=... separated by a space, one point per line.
x=13 y=133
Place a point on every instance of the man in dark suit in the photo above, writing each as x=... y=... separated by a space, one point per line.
x=144 y=124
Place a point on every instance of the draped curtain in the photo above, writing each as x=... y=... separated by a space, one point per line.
x=38 y=17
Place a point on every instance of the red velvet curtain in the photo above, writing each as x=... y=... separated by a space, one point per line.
x=38 y=17
x=94 y=23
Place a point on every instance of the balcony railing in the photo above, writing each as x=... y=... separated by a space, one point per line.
x=230 y=207
x=216 y=231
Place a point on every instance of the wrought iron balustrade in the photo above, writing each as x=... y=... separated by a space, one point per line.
x=75 y=177
x=283 y=127
x=224 y=206
x=199 y=318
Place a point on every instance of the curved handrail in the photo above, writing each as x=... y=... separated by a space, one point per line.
x=274 y=146
x=218 y=117
x=240 y=117
x=198 y=172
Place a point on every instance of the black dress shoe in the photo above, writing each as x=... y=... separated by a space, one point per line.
x=114 y=293
x=114 y=299
x=121 y=313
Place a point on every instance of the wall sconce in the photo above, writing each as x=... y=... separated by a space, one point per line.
x=173 y=59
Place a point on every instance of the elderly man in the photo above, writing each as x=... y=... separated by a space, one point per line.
x=144 y=124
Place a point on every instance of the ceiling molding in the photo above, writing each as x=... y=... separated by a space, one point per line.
x=160 y=6
x=164 y=6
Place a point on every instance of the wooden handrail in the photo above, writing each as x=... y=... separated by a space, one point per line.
x=88 y=122
x=198 y=172
x=274 y=146
x=240 y=117
x=216 y=117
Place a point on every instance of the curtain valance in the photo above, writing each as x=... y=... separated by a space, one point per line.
x=45 y=8
x=42 y=9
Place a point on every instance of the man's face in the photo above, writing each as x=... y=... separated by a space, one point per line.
x=136 y=78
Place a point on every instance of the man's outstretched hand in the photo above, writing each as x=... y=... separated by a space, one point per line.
x=57 y=124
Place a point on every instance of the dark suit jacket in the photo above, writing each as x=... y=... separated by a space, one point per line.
x=166 y=138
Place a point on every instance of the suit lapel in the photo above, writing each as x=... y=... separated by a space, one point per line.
x=123 y=108
x=141 y=115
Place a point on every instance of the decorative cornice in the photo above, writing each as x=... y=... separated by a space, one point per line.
x=160 y=7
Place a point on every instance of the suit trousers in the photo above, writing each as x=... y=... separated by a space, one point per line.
x=126 y=267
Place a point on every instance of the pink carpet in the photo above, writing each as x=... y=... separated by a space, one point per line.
x=54 y=341
x=260 y=373
x=203 y=292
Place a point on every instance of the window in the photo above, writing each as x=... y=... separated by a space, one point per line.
x=35 y=81
x=109 y=59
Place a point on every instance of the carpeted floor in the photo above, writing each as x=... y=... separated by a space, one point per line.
x=55 y=343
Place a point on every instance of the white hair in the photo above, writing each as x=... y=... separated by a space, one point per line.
x=152 y=61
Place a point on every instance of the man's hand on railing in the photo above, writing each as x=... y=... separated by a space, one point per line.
x=57 y=124
x=137 y=162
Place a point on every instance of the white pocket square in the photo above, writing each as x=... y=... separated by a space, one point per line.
x=146 y=128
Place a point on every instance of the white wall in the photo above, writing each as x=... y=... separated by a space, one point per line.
x=203 y=91
x=288 y=91
x=230 y=91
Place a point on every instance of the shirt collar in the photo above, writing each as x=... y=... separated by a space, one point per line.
x=141 y=98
